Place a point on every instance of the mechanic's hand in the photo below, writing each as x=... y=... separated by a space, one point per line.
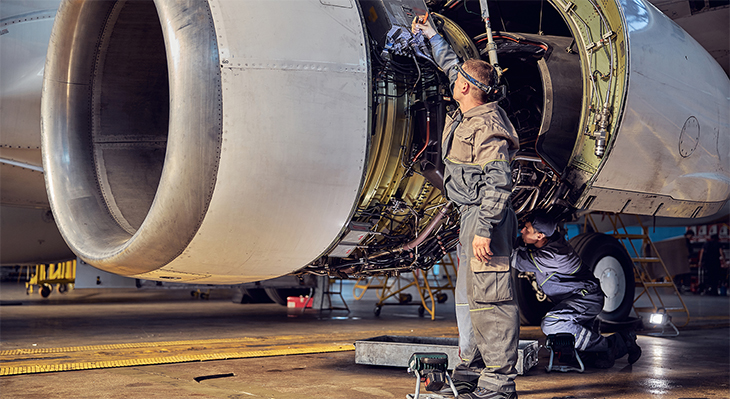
x=481 y=248
x=423 y=24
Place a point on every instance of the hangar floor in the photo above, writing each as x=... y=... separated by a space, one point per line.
x=296 y=355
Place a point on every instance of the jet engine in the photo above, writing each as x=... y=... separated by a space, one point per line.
x=224 y=141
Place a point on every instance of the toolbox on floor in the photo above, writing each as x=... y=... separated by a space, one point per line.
x=394 y=350
x=299 y=301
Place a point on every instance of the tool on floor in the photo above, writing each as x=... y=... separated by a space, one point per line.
x=563 y=345
x=430 y=368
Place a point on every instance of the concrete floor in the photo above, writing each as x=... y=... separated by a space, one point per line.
x=693 y=365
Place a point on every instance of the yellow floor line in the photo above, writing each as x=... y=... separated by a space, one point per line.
x=53 y=365
x=246 y=340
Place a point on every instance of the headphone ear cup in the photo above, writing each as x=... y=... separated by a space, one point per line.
x=498 y=93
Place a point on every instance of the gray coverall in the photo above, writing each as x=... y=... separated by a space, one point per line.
x=477 y=148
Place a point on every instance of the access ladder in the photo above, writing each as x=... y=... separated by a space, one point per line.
x=650 y=287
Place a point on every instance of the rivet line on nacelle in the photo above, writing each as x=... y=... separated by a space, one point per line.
x=292 y=67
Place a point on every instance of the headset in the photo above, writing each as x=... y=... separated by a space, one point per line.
x=494 y=93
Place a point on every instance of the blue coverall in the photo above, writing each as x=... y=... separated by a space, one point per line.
x=573 y=288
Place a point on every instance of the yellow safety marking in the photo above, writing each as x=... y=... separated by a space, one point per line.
x=480 y=309
x=137 y=345
x=45 y=360
x=53 y=365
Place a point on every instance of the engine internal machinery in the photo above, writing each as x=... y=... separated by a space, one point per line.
x=403 y=222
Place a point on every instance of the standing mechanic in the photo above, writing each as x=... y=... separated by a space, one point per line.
x=712 y=259
x=573 y=288
x=478 y=144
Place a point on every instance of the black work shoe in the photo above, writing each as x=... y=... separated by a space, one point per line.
x=483 y=393
x=607 y=358
x=464 y=386
x=604 y=360
x=633 y=348
x=446 y=392
x=461 y=387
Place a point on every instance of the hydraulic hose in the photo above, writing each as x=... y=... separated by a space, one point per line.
x=421 y=237
x=425 y=232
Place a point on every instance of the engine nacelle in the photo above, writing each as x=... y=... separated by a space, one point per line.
x=197 y=141
x=666 y=103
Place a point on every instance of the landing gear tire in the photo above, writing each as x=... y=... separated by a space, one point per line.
x=421 y=310
x=612 y=265
x=46 y=290
x=279 y=295
x=377 y=310
x=255 y=295
x=531 y=309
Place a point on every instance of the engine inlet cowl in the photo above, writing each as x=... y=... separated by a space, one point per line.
x=177 y=146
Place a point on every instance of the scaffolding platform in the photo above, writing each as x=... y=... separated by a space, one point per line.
x=45 y=276
x=430 y=286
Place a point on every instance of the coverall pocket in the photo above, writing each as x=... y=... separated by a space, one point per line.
x=492 y=281
x=462 y=147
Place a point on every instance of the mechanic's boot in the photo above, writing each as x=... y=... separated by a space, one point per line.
x=604 y=360
x=619 y=345
x=461 y=387
x=588 y=358
x=445 y=392
x=632 y=347
x=607 y=358
x=483 y=393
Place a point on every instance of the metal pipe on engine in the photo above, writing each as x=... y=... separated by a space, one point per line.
x=532 y=199
x=491 y=46
x=529 y=158
x=425 y=232
x=421 y=237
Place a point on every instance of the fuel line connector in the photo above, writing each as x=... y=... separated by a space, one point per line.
x=601 y=134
